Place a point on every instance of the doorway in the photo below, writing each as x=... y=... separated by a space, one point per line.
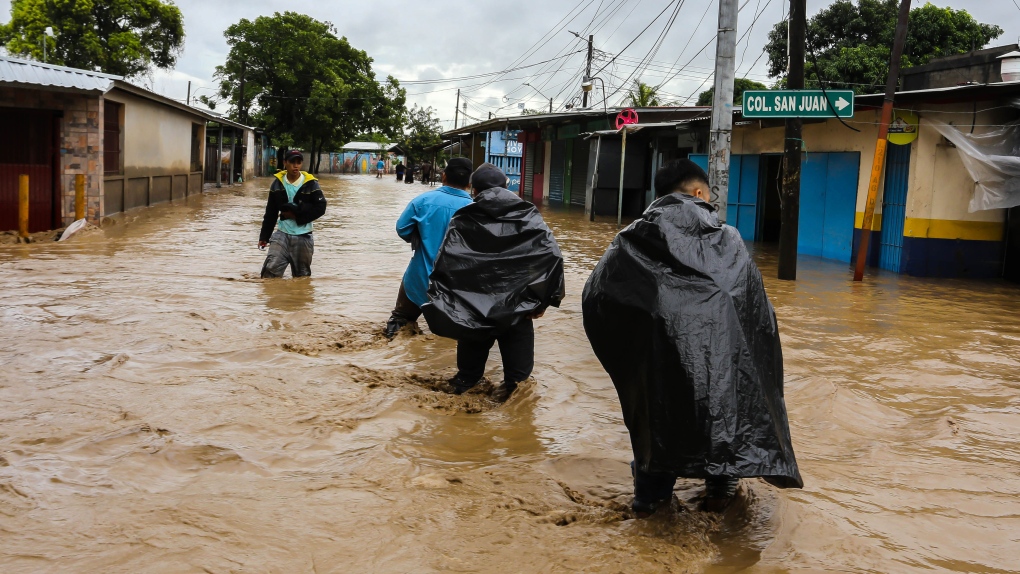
x=770 y=216
x=28 y=151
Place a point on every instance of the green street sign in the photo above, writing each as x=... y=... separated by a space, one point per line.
x=798 y=104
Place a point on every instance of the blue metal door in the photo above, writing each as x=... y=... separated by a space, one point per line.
x=894 y=206
x=840 y=205
x=742 y=207
x=828 y=198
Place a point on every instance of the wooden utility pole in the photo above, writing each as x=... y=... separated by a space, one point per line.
x=722 y=105
x=587 y=72
x=550 y=105
x=188 y=101
x=883 y=132
x=456 y=110
x=793 y=144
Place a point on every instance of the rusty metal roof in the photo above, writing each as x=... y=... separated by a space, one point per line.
x=29 y=73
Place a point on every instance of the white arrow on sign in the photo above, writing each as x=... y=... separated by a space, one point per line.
x=841 y=103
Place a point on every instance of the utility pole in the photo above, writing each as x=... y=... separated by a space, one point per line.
x=188 y=100
x=242 y=110
x=722 y=106
x=550 y=105
x=587 y=72
x=790 y=214
x=456 y=110
x=883 y=132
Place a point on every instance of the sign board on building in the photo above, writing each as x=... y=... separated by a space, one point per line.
x=798 y=104
x=903 y=128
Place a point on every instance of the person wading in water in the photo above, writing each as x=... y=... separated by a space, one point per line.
x=295 y=201
x=423 y=224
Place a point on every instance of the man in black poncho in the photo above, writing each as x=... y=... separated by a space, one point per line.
x=676 y=312
x=498 y=269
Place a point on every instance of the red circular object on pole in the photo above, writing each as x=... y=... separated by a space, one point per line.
x=627 y=116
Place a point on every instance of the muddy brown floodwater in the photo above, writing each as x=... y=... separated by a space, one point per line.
x=163 y=410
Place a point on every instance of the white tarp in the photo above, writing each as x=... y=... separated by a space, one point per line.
x=993 y=160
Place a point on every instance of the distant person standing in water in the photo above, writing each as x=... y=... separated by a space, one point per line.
x=295 y=201
x=400 y=171
x=380 y=167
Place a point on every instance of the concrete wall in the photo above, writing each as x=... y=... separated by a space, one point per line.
x=248 y=170
x=81 y=149
x=156 y=142
x=156 y=137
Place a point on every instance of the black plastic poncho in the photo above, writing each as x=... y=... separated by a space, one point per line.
x=498 y=264
x=677 y=313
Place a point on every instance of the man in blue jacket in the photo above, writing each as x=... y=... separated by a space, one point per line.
x=295 y=201
x=423 y=224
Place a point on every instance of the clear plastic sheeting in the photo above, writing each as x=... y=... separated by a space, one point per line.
x=993 y=160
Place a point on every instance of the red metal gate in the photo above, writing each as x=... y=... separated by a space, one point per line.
x=27 y=148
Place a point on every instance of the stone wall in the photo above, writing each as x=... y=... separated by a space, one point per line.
x=81 y=150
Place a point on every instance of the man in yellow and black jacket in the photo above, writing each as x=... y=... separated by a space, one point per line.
x=295 y=201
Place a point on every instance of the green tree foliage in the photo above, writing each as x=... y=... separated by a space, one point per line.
x=122 y=37
x=642 y=96
x=852 y=42
x=292 y=76
x=739 y=85
x=424 y=130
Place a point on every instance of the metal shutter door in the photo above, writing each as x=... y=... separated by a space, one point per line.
x=557 y=169
x=579 y=172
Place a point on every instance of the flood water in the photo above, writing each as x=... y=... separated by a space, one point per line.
x=163 y=410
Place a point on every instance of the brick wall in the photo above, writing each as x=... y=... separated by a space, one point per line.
x=81 y=142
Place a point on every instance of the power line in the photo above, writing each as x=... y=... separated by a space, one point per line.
x=645 y=29
x=487 y=74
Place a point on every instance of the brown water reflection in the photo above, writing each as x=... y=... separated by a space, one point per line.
x=165 y=410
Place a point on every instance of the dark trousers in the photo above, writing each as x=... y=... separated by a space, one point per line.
x=404 y=310
x=516 y=346
x=653 y=487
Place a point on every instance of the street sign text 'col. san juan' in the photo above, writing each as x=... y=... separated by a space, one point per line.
x=798 y=104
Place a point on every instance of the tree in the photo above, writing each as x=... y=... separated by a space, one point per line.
x=290 y=75
x=739 y=85
x=122 y=37
x=852 y=43
x=424 y=130
x=642 y=96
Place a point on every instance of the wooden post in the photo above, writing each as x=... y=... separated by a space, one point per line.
x=23 y=205
x=79 y=197
x=883 y=132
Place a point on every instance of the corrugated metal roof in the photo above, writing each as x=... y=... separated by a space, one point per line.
x=368 y=146
x=27 y=72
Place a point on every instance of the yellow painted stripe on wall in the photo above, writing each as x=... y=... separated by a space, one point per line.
x=876 y=222
x=951 y=229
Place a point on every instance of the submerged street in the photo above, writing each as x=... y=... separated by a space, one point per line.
x=162 y=409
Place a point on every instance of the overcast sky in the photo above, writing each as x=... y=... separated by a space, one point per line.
x=416 y=40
